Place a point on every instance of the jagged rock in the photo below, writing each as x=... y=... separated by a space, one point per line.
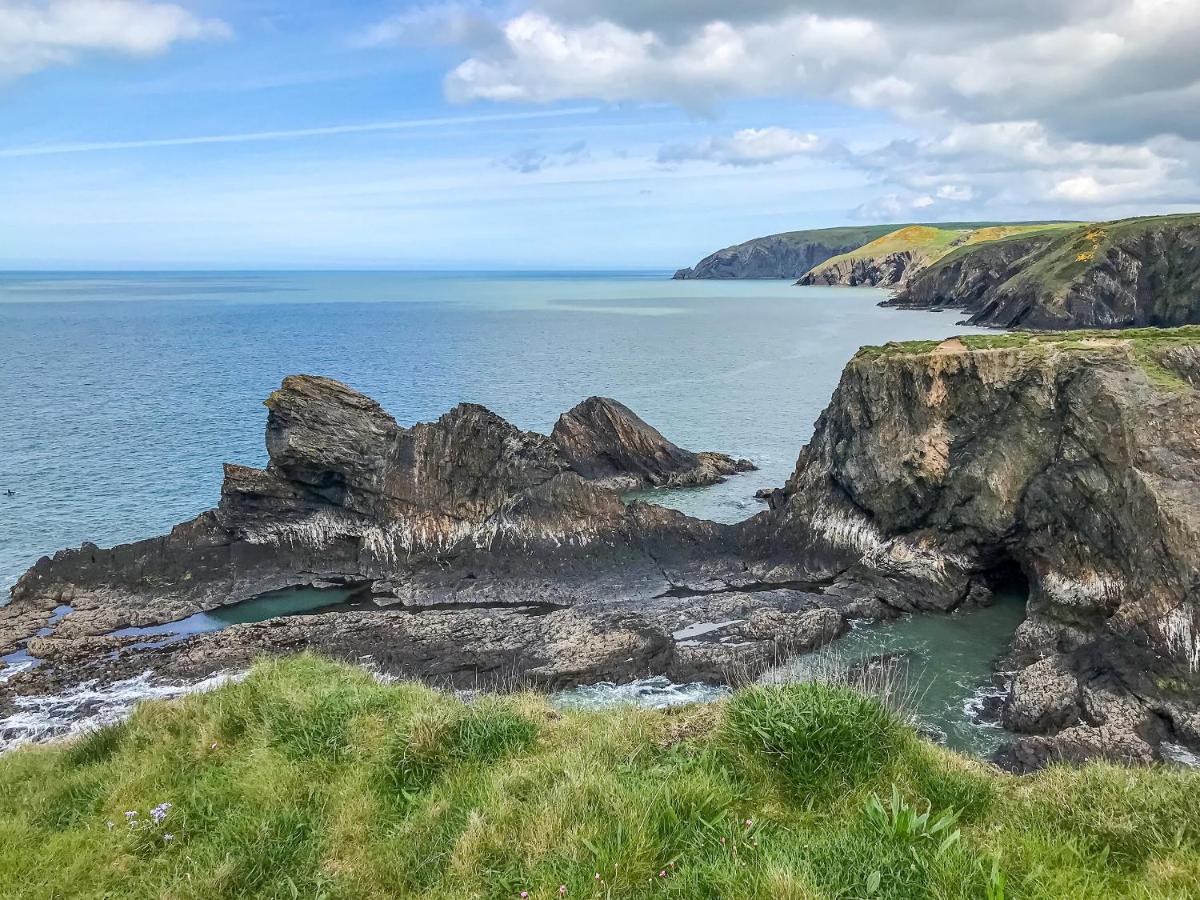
x=1078 y=461
x=605 y=442
x=1043 y=698
x=465 y=509
x=889 y=270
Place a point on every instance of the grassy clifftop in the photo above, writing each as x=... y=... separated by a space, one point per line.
x=311 y=779
x=929 y=243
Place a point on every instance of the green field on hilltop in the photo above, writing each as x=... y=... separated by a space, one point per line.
x=930 y=243
x=312 y=779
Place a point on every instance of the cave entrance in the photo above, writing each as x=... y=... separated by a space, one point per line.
x=1007 y=581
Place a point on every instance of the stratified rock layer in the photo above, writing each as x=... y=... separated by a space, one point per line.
x=935 y=470
x=468 y=509
x=1126 y=273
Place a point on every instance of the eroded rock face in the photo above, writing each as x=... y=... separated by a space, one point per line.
x=1129 y=273
x=607 y=443
x=467 y=509
x=1077 y=461
x=889 y=270
x=776 y=256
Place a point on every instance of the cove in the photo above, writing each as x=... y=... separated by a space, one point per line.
x=942 y=670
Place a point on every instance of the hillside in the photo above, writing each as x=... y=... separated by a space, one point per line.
x=793 y=253
x=787 y=255
x=310 y=779
x=1129 y=272
x=895 y=257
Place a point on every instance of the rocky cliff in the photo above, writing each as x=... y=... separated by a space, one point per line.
x=888 y=270
x=787 y=255
x=1072 y=462
x=468 y=509
x=1127 y=273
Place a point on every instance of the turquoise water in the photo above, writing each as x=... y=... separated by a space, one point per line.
x=257 y=609
x=942 y=666
x=124 y=393
x=941 y=672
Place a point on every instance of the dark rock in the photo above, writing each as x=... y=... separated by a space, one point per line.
x=606 y=443
x=1128 y=273
x=889 y=270
x=776 y=256
x=1076 y=462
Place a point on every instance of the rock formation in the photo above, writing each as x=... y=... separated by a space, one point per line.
x=885 y=271
x=936 y=471
x=787 y=255
x=467 y=509
x=606 y=443
x=1128 y=273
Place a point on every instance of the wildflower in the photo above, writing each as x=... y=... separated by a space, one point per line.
x=109 y=824
x=749 y=822
x=160 y=812
x=562 y=890
x=214 y=746
x=597 y=878
x=168 y=837
x=131 y=814
x=524 y=893
x=662 y=873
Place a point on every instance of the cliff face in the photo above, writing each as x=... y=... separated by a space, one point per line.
x=964 y=278
x=1129 y=273
x=770 y=257
x=885 y=271
x=936 y=470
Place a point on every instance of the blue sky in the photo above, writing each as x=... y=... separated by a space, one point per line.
x=569 y=133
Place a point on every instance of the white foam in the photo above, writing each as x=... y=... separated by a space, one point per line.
x=89 y=706
x=654 y=693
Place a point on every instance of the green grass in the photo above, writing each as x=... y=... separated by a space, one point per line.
x=931 y=243
x=846 y=235
x=1149 y=346
x=310 y=779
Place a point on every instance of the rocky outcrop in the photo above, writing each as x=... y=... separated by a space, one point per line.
x=1076 y=463
x=964 y=278
x=1127 y=273
x=467 y=510
x=606 y=443
x=787 y=255
x=889 y=270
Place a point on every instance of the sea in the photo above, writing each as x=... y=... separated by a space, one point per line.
x=121 y=394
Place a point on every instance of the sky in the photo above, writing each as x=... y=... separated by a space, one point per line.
x=553 y=134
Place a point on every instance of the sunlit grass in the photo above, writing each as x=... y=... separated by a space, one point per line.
x=311 y=779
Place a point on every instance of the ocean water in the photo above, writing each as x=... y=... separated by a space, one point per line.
x=122 y=394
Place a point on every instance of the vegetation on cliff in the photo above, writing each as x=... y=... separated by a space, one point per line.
x=919 y=245
x=310 y=779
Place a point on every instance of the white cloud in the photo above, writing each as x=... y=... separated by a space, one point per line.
x=748 y=147
x=1020 y=101
x=35 y=35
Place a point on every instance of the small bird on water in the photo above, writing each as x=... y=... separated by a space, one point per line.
x=10 y=493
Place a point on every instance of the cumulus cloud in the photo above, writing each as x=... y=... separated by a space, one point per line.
x=1068 y=65
x=35 y=35
x=1078 y=101
x=748 y=147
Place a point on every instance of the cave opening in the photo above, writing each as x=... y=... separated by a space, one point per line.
x=1007 y=580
